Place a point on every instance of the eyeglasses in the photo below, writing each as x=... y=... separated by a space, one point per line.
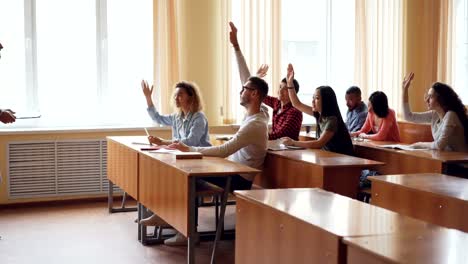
x=248 y=88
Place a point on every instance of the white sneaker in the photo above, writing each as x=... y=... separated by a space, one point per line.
x=179 y=240
x=154 y=220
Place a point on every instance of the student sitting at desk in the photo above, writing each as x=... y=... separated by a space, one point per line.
x=189 y=125
x=249 y=144
x=357 y=109
x=447 y=116
x=381 y=122
x=331 y=130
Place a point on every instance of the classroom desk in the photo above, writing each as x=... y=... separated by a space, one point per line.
x=407 y=161
x=431 y=246
x=166 y=185
x=432 y=197
x=311 y=168
x=307 y=225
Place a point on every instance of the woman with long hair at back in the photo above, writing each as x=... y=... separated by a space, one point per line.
x=332 y=134
x=446 y=114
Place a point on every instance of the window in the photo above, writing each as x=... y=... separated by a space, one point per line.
x=324 y=53
x=317 y=37
x=79 y=62
x=460 y=81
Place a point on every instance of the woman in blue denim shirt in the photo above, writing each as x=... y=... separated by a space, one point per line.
x=189 y=124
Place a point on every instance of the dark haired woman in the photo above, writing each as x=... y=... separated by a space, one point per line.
x=381 y=122
x=331 y=130
x=447 y=116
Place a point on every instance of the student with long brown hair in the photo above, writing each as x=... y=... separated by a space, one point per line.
x=447 y=116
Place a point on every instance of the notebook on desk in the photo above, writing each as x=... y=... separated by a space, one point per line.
x=398 y=146
x=187 y=155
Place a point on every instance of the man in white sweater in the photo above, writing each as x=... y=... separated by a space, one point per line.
x=249 y=144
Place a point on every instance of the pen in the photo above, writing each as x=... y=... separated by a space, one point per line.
x=148 y=134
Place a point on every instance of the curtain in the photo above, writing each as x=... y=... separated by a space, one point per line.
x=379 y=48
x=258 y=23
x=445 y=42
x=166 y=53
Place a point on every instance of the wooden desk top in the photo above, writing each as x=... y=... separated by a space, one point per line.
x=429 y=182
x=331 y=212
x=443 y=156
x=324 y=158
x=129 y=140
x=214 y=166
x=435 y=245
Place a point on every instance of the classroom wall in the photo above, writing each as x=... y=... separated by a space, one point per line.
x=200 y=47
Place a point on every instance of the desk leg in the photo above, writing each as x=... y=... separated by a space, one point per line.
x=140 y=212
x=110 y=201
x=110 y=197
x=220 y=226
x=192 y=232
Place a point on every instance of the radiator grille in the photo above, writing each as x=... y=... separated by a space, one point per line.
x=57 y=168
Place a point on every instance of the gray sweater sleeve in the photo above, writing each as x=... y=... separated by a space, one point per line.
x=416 y=117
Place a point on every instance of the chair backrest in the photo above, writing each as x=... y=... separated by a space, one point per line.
x=413 y=132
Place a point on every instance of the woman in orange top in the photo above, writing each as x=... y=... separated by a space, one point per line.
x=381 y=122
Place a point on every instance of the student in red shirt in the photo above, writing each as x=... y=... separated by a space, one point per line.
x=381 y=122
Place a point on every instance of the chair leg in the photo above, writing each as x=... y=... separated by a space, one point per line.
x=197 y=205
x=216 y=199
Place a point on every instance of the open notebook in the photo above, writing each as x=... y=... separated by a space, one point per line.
x=398 y=146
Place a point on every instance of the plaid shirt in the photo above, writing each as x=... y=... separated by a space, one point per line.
x=287 y=123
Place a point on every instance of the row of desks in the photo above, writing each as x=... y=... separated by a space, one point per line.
x=313 y=225
x=163 y=184
x=283 y=169
x=402 y=161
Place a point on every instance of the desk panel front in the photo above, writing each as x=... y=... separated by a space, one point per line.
x=313 y=168
x=408 y=161
x=435 y=245
x=307 y=225
x=122 y=166
x=435 y=198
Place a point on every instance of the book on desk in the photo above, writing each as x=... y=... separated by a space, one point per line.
x=398 y=146
x=187 y=155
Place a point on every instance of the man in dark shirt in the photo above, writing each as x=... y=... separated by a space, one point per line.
x=287 y=120
x=357 y=109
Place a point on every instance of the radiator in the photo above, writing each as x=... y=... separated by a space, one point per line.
x=57 y=168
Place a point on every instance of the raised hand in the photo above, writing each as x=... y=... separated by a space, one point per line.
x=233 y=35
x=262 y=71
x=146 y=90
x=290 y=75
x=407 y=81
